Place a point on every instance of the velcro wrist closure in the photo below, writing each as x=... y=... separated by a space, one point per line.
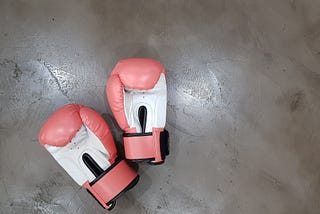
x=115 y=180
x=152 y=146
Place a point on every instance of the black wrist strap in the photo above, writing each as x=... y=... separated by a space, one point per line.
x=164 y=143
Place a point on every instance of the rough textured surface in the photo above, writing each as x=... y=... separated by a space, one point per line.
x=243 y=101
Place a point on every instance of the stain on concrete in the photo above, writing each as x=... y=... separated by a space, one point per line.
x=272 y=181
x=311 y=76
x=16 y=71
x=293 y=5
x=268 y=57
x=295 y=100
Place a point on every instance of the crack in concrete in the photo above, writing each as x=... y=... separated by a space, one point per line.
x=182 y=130
x=50 y=70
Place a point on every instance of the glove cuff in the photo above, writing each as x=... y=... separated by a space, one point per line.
x=112 y=183
x=152 y=147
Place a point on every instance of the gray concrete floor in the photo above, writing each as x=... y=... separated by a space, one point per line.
x=243 y=101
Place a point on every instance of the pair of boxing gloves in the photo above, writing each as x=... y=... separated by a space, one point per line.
x=81 y=142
